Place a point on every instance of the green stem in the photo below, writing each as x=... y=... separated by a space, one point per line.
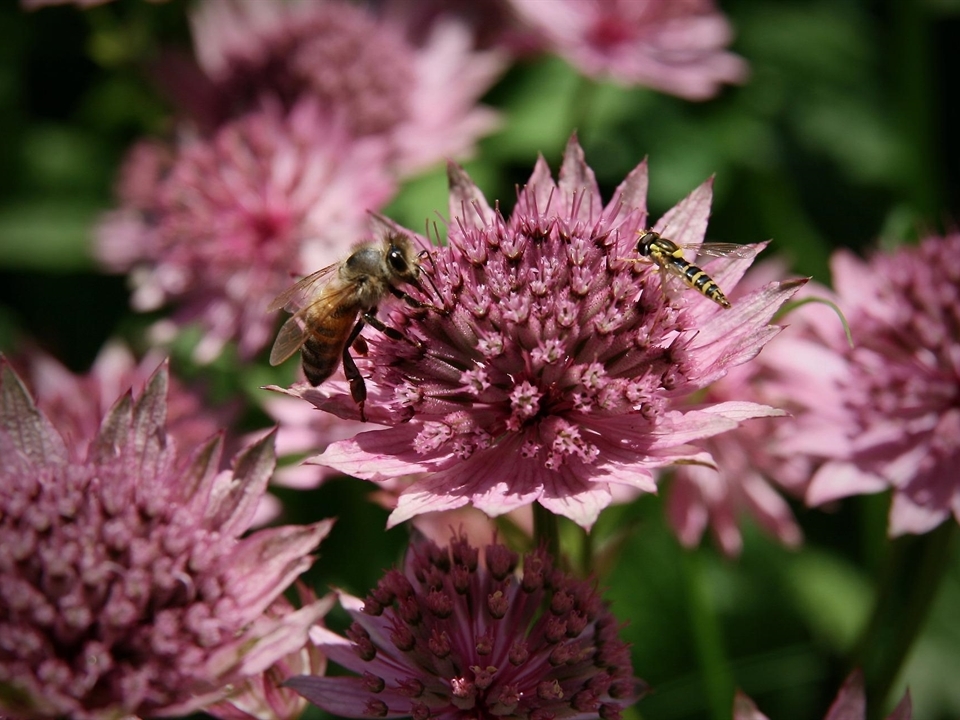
x=582 y=101
x=916 y=106
x=907 y=592
x=546 y=531
x=717 y=678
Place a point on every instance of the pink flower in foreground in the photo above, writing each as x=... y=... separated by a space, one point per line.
x=883 y=414
x=420 y=100
x=850 y=704
x=263 y=696
x=217 y=227
x=125 y=587
x=677 y=46
x=554 y=366
x=451 y=637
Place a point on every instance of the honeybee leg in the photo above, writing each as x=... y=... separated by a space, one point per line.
x=358 y=387
x=412 y=301
x=370 y=317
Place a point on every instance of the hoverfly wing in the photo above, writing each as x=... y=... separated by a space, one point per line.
x=725 y=250
x=303 y=292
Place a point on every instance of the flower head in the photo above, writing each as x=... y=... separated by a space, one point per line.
x=676 y=47
x=219 y=226
x=421 y=100
x=452 y=637
x=549 y=368
x=884 y=413
x=125 y=587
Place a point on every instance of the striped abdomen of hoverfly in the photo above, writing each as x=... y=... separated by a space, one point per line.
x=669 y=257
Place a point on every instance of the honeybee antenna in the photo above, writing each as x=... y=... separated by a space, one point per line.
x=428 y=254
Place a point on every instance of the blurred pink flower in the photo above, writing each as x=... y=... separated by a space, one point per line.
x=554 y=366
x=301 y=429
x=420 y=99
x=451 y=637
x=850 y=704
x=125 y=587
x=718 y=498
x=676 y=46
x=884 y=413
x=79 y=402
x=748 y=471
x=220 y=226
x=263 y=696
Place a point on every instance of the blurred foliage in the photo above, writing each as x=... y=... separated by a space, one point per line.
x=844 y=136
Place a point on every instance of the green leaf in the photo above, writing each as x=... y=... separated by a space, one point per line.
x=46 y=235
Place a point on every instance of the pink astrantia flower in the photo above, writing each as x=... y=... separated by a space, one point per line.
x=884 y=413
x=218 y=227
x=263 y=696
x=850 y=704
x=125 y=587
x=677 y=46
x=719 y=497
x=749 y=474
x=420 y=99
x=452 y=637
x=551 y=368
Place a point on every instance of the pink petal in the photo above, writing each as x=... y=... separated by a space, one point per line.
x=840 y=479
x=30 y=431
x=235 y=495
x=686 y=222
x=578 y=184
x=745 y=709
x=378 y=455
x=265 y=563
x=467 y=202
x=851 y=702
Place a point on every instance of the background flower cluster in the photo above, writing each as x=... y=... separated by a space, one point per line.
x=748 y=503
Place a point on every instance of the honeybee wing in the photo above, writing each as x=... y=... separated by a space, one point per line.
x=303 y=292
x=298 y=327
x=299 y=299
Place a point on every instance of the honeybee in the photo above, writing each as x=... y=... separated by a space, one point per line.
x=668 y=256
x=331 y=306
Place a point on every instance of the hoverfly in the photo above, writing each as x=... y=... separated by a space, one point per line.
x=668 y=256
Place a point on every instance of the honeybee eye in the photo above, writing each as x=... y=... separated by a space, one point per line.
x=397 y=261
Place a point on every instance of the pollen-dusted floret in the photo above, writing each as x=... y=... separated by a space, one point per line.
x=552 y=370
x=125 y=585
x=452 y=636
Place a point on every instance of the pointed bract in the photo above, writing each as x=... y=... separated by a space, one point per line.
x=139 y=596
